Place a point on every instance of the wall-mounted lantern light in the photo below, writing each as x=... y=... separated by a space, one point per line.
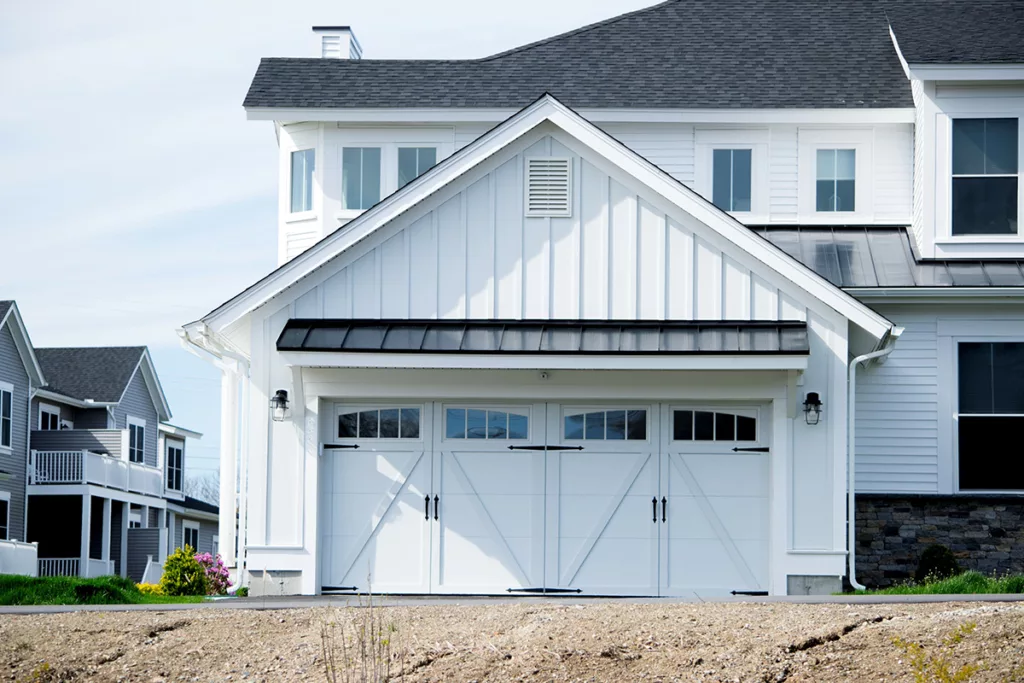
x=812 y=408
x=279 y=405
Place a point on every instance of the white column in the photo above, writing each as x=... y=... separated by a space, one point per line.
x=145 y=516
x=105 y=543
x=126 y=509
x=171 y=523
x=83 y=561
x=228 y=455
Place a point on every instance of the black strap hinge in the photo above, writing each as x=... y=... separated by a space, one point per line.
x=752 y=593
x=755 y=449
x=338 y=589
x=545 y=448
x=544 y=590
x=339 y=446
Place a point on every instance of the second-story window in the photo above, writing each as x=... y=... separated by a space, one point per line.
x=414 y=162
x=985 y=173
x=175 y=459
x=836 y=180
x=136 y=440
x=360 y=177
x=303 y=165
x=6 y=415
x=49 y=417
x=731 y=179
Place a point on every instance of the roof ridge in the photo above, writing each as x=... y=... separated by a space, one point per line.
x=575 y=31
x=140 y=347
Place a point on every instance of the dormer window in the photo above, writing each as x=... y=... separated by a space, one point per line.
x=836 y=180
x=303 y=165
x=985 y=176
x=175 y=465
x=360 y=177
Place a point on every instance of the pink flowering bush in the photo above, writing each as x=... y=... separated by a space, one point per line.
x=216 y=573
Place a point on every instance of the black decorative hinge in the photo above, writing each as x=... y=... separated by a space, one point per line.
x=544 y=590
x=339 y=446
x=751 y=593
x=756 y=449
x=338 y=589
x=545 y=448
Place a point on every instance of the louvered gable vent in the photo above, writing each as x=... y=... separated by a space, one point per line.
x=548 y=186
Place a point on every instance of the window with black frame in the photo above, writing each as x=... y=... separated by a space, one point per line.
x=990 y=416
x=985 y=170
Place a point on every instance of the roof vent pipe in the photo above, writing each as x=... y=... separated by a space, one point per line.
x=337 y=42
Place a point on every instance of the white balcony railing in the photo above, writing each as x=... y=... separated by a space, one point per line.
x=85 y=467
x=64 y=566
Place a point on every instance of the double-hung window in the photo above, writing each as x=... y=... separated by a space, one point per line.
x=190 y=535
x=303 y=166
x=175 y=460
x=136 y=440
x=49 y=417
x=835 y=182
x=990 y=415
x=6 y=415
x=731 y=179
x=360 y=177
x=985 y=170
x=414 y=162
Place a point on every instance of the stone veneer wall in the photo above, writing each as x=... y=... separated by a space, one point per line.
x=985 y=533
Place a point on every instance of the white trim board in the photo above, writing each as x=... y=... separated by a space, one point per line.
x=477 y=152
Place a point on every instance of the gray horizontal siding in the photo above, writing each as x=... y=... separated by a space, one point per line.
x=15 y=461
x=897 y=422
x=207 y=530
x=138 y=403
x=96 y=440
x=142 y=543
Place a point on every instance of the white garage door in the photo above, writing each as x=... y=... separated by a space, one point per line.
x=524 y=498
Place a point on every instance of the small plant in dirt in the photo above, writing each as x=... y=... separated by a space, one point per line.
x=362 y=649
x=183 y=575
x=217 y=582
x=938 y=667
x=937 y=563
x=242 y=592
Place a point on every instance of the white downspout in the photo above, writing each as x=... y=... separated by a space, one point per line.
x=851 y=441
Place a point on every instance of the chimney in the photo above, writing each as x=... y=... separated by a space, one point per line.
x=337 y=42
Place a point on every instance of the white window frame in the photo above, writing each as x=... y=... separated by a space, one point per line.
x=186 y=526
x=814 y=139
x=5 y=497
x=179 y=445
x=296 y=138
x=404 y=145
x=342 y=408
x=605 y=408
x=310 y=212
x=944 y=169
x=136 y=422
x=5 y=387
x=388 y=140
x=519 y=409
x=135 y=519
x=758 y=412
x=707 y=141
x=48 y=409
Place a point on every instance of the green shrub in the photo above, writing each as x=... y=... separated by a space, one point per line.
x=937 y=563
x=183 y=575
x=242 y=592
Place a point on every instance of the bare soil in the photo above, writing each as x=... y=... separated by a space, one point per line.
x=521 y=642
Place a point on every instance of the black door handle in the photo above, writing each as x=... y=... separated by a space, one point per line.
x=654 y=505
x=436 y=501
x=426 y=507
x=664 y=507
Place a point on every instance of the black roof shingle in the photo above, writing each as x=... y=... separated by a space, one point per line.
x=4 y=307
x=677 y=54
x=959 y=31
x=98 y=373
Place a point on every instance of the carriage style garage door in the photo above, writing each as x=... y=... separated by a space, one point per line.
x=628 y=499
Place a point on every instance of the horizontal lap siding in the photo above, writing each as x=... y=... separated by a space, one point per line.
x=142 y=544
x=12 y=371
x=138 y=403
x=783 y=170
x=893 y=173
x=897 y=415
x=107 y=441
x=670 y=147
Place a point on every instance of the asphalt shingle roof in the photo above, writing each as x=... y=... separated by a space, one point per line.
x=677 y=54
x=959 y=31
x=98 y=373
x=4 y=307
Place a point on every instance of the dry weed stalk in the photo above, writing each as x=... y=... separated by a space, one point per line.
x=358 y=644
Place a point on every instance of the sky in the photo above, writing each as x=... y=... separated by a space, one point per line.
x=134 y=195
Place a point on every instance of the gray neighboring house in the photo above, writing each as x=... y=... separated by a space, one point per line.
x=90 y=469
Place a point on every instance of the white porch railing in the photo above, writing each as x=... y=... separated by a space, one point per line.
x=96 y=568
x=18 y=558
x=86 y=467
x=65 y=566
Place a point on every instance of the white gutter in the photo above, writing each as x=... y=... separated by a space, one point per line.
x=851 y=431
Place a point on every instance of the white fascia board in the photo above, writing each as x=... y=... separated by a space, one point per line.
x=486 y=361
x=460 y=115
x=550 y=109
x=967 y=72
x=25 y=348
x=74 y=402
x=181 y=432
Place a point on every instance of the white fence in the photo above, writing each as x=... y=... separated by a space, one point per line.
x=64 y=566
x=18 y=558
x=86 y=467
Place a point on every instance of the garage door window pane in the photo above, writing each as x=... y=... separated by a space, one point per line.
x=389 y=423
x=368 y=424
x=682 y=425
x=574 y=426
x=611 y=425
x=703 y=426
x=518 y=427
x=476 y=424
x=386 y=423
x=616 y=425
x=410 y=423
x=637 y=427
x=725 y=427
x=595 y=425
x=497 y=424
x=708 y=425
x=455 y=421
x=746 y=428
x=348 y=426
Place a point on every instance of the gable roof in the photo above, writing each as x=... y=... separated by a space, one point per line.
x=545 y=109
x=10 y=317
x=100 y=374
x=676 y=54
x=959 y=31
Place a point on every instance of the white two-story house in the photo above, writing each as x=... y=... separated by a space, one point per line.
x=713 y=297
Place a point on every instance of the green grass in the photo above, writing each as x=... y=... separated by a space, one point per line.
x=963 y=584
x=65 y=590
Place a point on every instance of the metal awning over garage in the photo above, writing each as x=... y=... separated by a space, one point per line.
x=547 y=337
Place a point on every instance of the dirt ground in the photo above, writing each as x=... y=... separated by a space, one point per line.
x=520 y=642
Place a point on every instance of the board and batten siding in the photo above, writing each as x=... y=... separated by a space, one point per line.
x=475 y=255
x=897 y=417
x=138 y=402
x=14 y=461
